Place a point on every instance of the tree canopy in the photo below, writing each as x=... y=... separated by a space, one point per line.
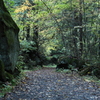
x=58 y=28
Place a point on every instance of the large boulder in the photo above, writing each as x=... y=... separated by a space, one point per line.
x=9 y=43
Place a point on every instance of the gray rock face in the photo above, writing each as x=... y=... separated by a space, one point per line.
x=9 y=43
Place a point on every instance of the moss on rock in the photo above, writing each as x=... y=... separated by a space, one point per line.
x=10 y=38
x=2 y=71
x=9 y=76
x=4 y=76
x=9 y=42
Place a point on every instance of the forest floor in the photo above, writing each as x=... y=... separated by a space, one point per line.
x=47 y=84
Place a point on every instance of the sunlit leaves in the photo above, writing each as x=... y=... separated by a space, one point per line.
x=9 y=3
x=26 y=45
x=22 y=9
x=58 y=18
x=42 y=14
x=62 y=6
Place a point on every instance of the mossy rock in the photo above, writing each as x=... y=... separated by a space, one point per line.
x=4 y=76
x=9 y=76
x=10 y=37
x=2 y=71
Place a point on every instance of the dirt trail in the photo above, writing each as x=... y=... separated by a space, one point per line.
x=47 y=84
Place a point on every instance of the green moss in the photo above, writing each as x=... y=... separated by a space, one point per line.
x=2 y=71
x=10 y=38
x=3 y=74
x=7 y=19
x=10 y=24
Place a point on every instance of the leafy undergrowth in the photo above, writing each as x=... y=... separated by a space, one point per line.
x=50 y=66
x=49 y=84
x=91 y=79
x=9 y=86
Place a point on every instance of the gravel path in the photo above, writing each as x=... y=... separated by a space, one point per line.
x=47 y=84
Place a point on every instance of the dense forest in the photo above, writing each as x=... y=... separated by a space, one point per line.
x=39 y=33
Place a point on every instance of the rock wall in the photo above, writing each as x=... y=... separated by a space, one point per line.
x=9 y=43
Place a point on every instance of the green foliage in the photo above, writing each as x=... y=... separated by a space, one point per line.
x=68 y=27
x=2 y=71
x=9 y=5
x=61 y=7
x=9 y=86
x=20 y=63
x=68 y=71
x=9 y=76
x=24 y=60
x=5 y=89
x=27 y=45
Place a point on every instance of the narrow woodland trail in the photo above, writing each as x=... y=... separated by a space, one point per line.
x=47 y=84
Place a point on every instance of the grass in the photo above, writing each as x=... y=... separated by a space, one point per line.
x=91 y=79
x=50 y=66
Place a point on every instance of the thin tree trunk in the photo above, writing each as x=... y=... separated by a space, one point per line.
x=81 y=29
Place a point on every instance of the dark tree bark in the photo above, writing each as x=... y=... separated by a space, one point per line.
x=81 y=29
x=28 y=32
x=35 y=38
